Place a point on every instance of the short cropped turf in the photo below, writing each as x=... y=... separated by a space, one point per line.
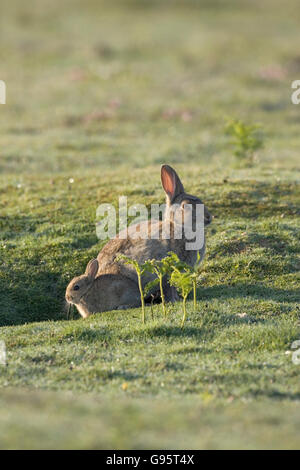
x=99 y=95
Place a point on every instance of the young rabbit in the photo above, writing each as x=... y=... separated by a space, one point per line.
x=93 y=294
x=151 y=241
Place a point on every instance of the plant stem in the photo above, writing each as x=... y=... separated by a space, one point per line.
x=184 y=311
x=194 y=292
x=142 y=295
x=152 y=314
x=162 y=295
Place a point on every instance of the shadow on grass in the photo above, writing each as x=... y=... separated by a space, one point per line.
x=175 y=331
x=106 y=375
x=277 y=395
x=272 y=243
x=17 y=226
x=101 y=336
x=27 y=297
x=242 y=290
x=142 y=333
x=253 y=199
x=31 y=291
x=33 y=273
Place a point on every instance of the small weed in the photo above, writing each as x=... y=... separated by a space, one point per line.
x=246 y=140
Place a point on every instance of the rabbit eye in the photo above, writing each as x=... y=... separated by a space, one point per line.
x=76 y=287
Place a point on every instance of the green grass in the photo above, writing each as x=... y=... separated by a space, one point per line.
x=104 y=95
x=63 y=421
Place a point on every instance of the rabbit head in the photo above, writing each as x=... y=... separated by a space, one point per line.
x=79 y=286
x=181 y=207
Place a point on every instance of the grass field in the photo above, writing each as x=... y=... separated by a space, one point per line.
x=98 y=97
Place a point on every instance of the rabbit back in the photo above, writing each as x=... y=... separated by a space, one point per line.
x=142 y=249
x=147 y=239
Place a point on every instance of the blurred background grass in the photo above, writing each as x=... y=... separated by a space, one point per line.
x=141 y=82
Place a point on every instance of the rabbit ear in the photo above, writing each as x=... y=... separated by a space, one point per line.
x=171 y=182
x=92 y=268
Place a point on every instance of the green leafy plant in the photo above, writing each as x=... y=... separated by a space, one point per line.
x=194 y=272
x=195 y=276
x=246 y=139
x=186 y=278
x=161 y=268
x=182 y=276
x=182 y=280
x=140 y=270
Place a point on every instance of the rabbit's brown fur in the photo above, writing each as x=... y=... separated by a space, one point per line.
x=143 y=248
x=93 y=294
